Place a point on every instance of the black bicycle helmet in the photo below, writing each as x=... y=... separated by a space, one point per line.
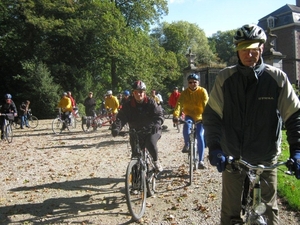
x=8 y=96
x=193 y=76
x=249 y=32
x=139 y=85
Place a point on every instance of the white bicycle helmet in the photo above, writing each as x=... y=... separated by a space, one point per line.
x=109 y=92
x=249 y=33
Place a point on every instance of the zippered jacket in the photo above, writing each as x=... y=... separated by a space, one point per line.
x=245 y=110
x=191 y=103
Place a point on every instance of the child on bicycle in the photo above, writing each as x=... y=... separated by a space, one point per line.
x=141 y=112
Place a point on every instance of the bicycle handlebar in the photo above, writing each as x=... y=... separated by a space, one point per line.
x=260 y=167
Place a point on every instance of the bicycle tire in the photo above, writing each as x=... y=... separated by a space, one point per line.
x=8 y=133
x=151 y=176
x=16 y=123
x=195 y=154
x=89 y=126
x=191 y=158
x=178 y=126
x=135 y=189
x=78 y=117
x=57 y=125
x=33 y=122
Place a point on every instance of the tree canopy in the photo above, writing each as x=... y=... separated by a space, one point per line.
x=51 y=46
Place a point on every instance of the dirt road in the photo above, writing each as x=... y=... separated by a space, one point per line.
x=78 y=178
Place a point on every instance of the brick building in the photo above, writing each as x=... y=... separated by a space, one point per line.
x=285 y=24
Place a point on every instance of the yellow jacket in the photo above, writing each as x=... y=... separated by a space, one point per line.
x=192 y=103
x=112 y=103
x=65 y=104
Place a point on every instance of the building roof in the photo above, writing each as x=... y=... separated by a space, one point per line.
x=287 y=14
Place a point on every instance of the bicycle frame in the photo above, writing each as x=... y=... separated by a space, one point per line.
x=193 y=153
x=97 y=121
x=145 y=159
x=254 y=208
x=7 y=129
x=142 y=180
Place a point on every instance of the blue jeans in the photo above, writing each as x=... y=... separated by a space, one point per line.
x=199 y=135
x=24 y=121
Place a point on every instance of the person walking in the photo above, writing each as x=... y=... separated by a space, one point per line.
x=90 y=104
x=192 y=102
x=141 y=112
x=242 y=119
x=23 y=114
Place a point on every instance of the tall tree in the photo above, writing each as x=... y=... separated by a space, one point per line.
x=222 y=45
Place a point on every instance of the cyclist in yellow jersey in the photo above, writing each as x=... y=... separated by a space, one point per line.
x=66 y=107
x=192 y=102
x=112 y=103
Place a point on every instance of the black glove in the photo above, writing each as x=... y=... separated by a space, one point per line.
x=296 y=165
x=175 y=119
x=156 y=128
x=115 y=132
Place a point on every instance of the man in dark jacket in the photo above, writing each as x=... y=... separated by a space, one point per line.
x=141 y=112
x=243 y=117
x=90 y=104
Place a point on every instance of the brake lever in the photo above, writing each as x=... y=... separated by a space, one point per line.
x=289 y=164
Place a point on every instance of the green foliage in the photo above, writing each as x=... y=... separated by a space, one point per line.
x=221 y=44
x=288 y=186
x=42 y=92
x=180 y=36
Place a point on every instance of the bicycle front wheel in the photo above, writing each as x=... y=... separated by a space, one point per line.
x=191 y=163
x=8 y=133
x=57 y=125
x=135 y=189
x=33 y=122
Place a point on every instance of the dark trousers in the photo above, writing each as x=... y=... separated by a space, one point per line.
x=150 y=142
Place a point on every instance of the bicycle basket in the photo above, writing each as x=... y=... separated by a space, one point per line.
x=10 y=117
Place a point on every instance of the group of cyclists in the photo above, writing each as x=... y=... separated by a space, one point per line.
x=243 y=98
x=8 y=106
x=241 y=117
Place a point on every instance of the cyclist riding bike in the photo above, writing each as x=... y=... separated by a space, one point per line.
x=112 y=103
x=141 y=113
x=192 y=102
x=66 y=107
x=243 y=119
x=8 y=106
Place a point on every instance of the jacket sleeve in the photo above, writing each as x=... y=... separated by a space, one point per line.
x=212 y=126
x=212 y=117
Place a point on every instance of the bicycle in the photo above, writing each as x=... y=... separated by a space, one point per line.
x=192 y=152
x=33 y=121
x=253 y=207
x=141 y=177
x=8 y=132
x=58 y=123
x=76 y=115
x=91 y=123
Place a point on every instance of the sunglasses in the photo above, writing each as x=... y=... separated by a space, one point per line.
x=192 y=82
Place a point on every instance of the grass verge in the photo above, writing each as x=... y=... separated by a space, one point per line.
x=288 y=186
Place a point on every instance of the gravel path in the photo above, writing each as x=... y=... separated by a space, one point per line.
x=78 y=178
